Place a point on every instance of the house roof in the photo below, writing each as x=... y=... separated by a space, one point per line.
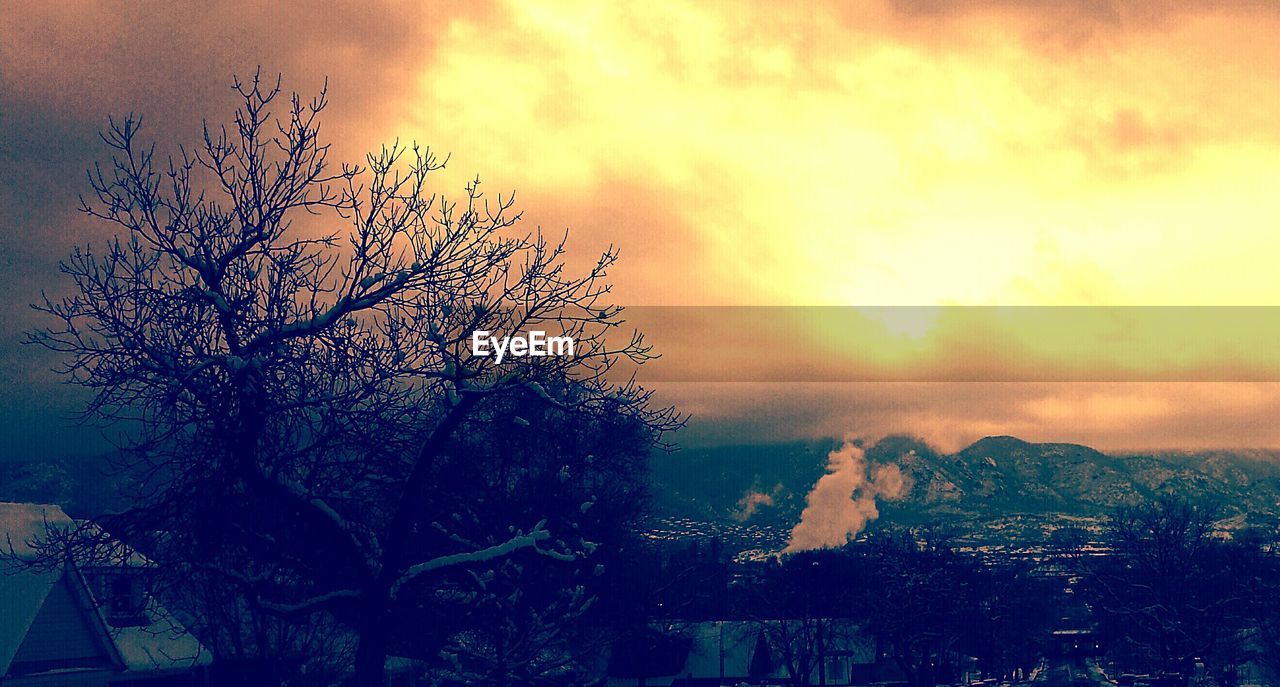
x=23 y=523
x=162 y=645
x=737 y=641
x=22 y=593
x=23 y=590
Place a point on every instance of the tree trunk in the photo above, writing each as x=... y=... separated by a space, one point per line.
x=822 y=656
x=371 y=653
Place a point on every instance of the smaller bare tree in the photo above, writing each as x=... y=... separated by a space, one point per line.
x=800 y=606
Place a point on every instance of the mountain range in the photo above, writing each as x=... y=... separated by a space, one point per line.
x=986 y=485
x=1001 y=487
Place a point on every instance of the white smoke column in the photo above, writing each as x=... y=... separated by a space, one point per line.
x=844 y=500
x=752 y=501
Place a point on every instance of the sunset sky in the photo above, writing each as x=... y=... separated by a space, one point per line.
x=980 y=152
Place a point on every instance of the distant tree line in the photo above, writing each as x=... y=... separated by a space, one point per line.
x=1162 y=589
x=923 y=603
x=1175 y=593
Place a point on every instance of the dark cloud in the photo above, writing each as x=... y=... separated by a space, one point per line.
x=1126 y=416
x=64 y=67
x=97 y=57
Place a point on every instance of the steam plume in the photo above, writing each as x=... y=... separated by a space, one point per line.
x=753 y=500
x=844 y=500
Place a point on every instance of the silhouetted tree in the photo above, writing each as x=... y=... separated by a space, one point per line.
x=797 y=603
x=538 y=623
x=661 y=586
x=916 y=592
x=1172 y=588
x=1009 y=624
x=1265 y=597
x=301 y=404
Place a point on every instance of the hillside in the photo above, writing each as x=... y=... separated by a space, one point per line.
x=985 y=486
x=84 y=486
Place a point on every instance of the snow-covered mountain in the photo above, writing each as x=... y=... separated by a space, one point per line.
x=994 y=479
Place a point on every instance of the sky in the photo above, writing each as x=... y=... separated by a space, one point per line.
x=897 y=152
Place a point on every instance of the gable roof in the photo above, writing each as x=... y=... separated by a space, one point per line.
x=21 y=595
x=24 y=590
x=66 y=631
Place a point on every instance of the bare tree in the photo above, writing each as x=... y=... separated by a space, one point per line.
x=293 y=395
x=795 y=603
x=1172 y=590
x=1008 y=625
x=1265 y=597
x=916 y=594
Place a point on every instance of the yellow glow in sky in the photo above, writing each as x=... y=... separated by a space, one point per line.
x=977 y=154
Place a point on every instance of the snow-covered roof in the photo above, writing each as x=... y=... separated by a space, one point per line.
x=162 y=645
x=737 y=640
x=22 y=523
x=98 y=548
x=22 y=590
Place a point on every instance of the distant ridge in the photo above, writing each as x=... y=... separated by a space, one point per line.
x=997 y=478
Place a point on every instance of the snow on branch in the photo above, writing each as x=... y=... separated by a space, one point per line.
x=529 y=540
x=304 y=496
x=312 y=603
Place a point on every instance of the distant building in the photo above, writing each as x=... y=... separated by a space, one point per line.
x=80 y=626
